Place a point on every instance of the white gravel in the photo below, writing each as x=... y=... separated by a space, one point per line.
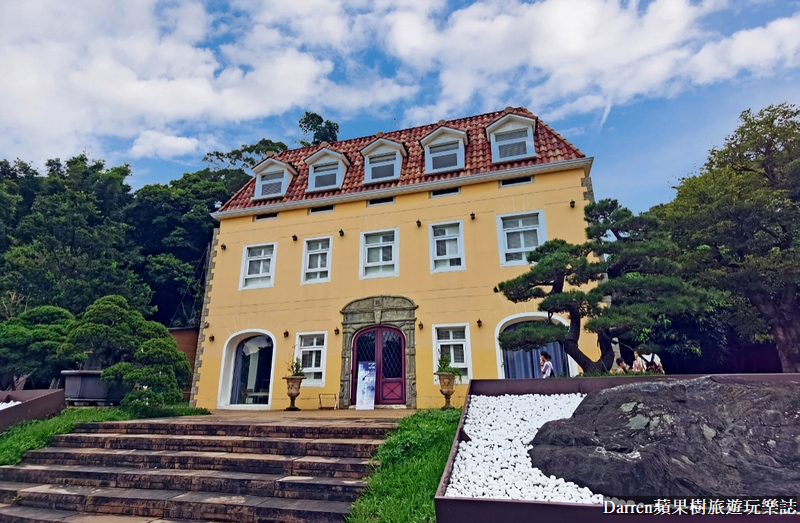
x=495 y=464
x=8 y=404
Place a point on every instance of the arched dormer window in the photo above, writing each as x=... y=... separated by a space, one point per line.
x=326 y=170
x=272 y=178
x=444 y=150
x=512 y=138
x=383 y=160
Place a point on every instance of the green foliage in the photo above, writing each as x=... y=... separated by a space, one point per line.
x=71 y=247
x=737 y=223
x=631 y=258
x=111 y=331
x=321 y=130
x=411 y=463
x=295 y=367
x=35 y=434
x=443 y=365
x=532 y=335
x=30 y=343
x=247 y=155
x=155 y=377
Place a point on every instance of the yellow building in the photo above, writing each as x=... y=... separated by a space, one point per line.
x=385 y=249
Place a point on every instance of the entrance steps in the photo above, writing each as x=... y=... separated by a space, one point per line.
x=291 y=471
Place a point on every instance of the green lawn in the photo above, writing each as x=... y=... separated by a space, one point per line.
x=36 y=434
x=411 y=463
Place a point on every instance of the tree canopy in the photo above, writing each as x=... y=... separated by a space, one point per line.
x=738 y=222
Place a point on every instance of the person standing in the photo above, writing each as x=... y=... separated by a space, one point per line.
x=547 y=366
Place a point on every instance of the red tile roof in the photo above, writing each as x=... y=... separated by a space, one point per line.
x=550 y=147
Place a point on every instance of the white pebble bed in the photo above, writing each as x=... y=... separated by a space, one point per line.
x=495 y=464
x=8 y=404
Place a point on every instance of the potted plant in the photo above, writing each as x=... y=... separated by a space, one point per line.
x=447 y=376
x=296 y=376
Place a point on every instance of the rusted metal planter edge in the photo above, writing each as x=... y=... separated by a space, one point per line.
x=36 y=404
x=486 y=510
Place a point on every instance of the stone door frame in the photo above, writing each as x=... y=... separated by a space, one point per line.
x=376 y=311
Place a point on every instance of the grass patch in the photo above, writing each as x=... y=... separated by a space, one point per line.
x=35 y=434
x=411 y=463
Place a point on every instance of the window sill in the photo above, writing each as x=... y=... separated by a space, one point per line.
x=377 y=276
x=254 y=287
x=513 y=158
x=446 y=170
x=449 y=269
x=322 y=189
x=314 y=282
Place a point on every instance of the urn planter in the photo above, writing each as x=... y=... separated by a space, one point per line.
x=86 y=387
x=293 y=389
x=446 y=387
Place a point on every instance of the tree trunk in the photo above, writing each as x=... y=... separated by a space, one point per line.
x=19 y=381
x=782 y=319
x=787 y=343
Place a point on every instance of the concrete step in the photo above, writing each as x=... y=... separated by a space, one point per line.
x=341 y=428
x=176 y=504
x=19 y=514
x=332 y=447
x=266 y=485
x=238 y=462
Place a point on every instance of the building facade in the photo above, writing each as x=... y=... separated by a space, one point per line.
x=387 y=249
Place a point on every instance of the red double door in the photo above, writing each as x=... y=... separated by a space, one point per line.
x=387 y=348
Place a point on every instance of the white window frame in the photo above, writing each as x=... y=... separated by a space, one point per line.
x=306 y=257
x=541 y=234
x=529 y=146
x=432 y=247
x=243 y=273
x=312 y=177
x=259 y=184
x=362 y=255
x=322 y=157
x=467 y=349
x=272 y=167
x=452 y=191
x=459 y=156
x=398 y=162
x=298 y=353
x=442 y=136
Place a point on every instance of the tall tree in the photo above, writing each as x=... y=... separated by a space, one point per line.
x=70 y=247
x=30 y=343
x=321 y=130
x=637 y=286
x=738 y=222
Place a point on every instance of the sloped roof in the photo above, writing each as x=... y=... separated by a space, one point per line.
x=550 y=148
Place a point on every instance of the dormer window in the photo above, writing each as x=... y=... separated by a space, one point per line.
x=271 y=184
x=382 y=166
x=444 y=150
x=512 y=138
x=383 y=160
x=443 y=156
x=326 y=170
x=272 y=178
x=324 y=175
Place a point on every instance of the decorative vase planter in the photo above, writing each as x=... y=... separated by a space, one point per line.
x=293 y=386
x=85 y=386
x=446 y=387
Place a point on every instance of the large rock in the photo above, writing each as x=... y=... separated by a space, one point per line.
x=711 y=436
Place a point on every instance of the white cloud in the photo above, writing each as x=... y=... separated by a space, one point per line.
x=161 y=145
x=78 y=73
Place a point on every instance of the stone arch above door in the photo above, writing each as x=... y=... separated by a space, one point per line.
x=393 y=311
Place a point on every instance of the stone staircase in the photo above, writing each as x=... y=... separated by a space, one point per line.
x=195 y=469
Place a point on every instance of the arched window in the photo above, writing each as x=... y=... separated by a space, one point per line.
x=252 y=371
x=525 y=364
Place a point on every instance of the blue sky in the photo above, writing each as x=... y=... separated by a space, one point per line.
x=645 y=87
